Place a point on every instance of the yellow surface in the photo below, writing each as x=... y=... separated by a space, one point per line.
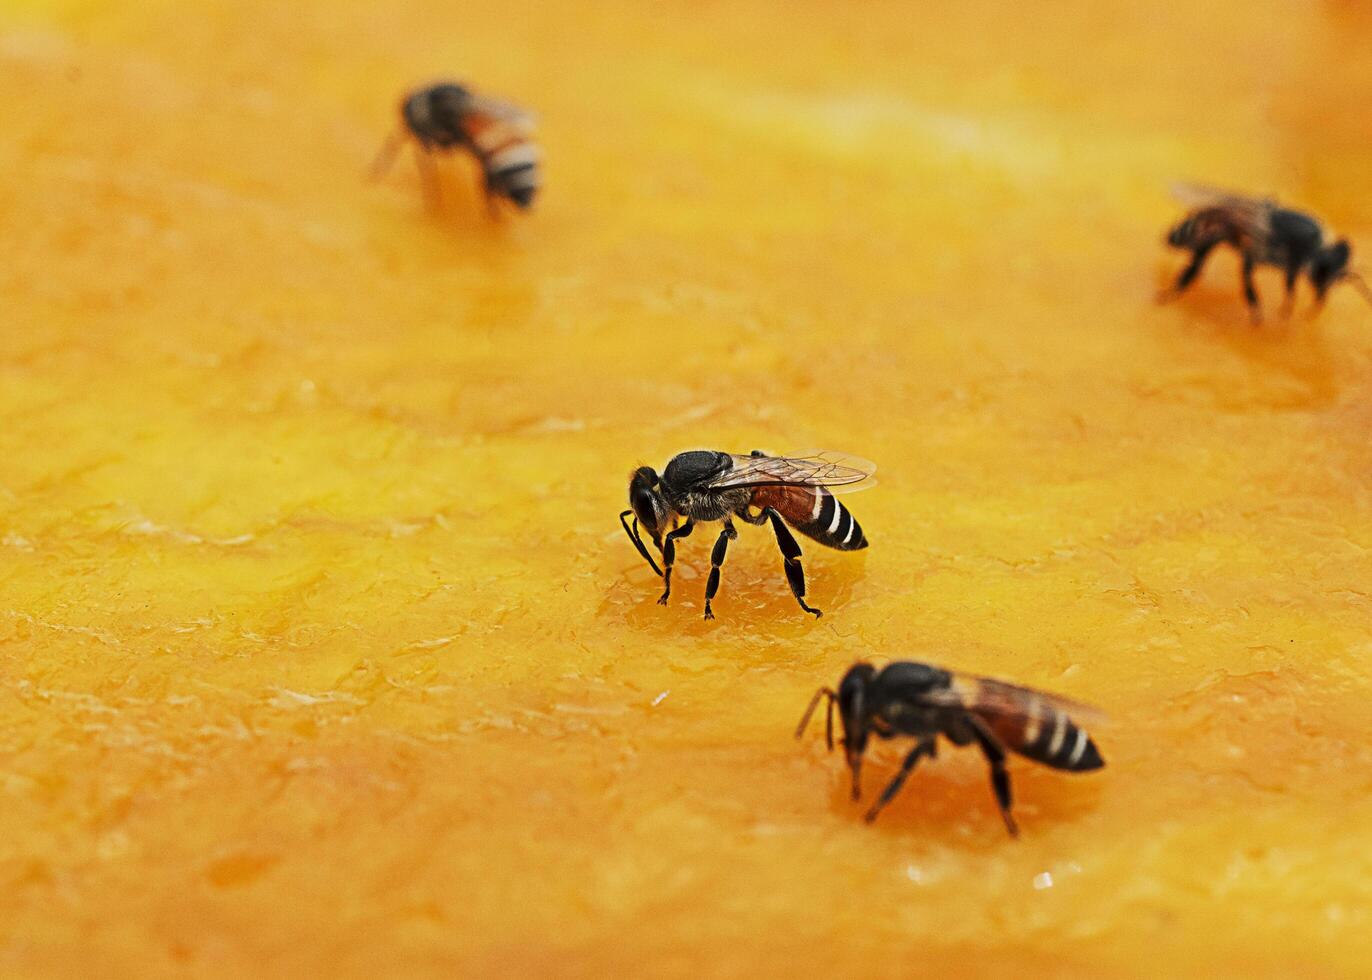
x=322 y=652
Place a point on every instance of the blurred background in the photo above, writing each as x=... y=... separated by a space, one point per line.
x=323 y=652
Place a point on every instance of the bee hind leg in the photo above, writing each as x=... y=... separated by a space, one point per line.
x=493 y=202
x=790 y=553
x=1000 y=779
x=669 y=558
x=923 y=748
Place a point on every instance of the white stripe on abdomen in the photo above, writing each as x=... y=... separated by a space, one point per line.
x=518 y=155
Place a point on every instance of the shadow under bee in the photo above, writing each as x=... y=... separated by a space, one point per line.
x=1292 y=363
x=756 y=592
x=951 y=802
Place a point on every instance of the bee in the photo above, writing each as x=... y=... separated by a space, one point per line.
x=705 y=485
x=922 y=701
x=446 y=116
x=1263 y=233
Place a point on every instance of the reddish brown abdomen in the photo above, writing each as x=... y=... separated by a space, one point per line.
x=815 y=513
x=1037 y=729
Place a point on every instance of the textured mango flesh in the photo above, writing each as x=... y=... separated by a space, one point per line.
x=324 y=654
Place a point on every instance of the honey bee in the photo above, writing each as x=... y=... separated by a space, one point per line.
x=446 y=116
x=923 y=702
x=705 y=485
x=1263 y=233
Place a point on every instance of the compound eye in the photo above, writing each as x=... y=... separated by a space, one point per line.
x=645 y=509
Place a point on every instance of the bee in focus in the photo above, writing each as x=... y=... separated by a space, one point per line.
x=705 y=485
x=445 y=117
x=1263 y=233
x=923 y=702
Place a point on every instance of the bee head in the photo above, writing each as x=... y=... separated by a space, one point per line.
x=646 y=502
x=853 y=711
x=649 y=511
x=1330 y=265
x=1180 y=235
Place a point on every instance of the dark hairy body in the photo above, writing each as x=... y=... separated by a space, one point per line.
x=447 y=116
x=705 y=485
x=923 y=702
x=1263 y=233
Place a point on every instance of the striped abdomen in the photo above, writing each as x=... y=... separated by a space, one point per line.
x=815 y=513
x=508 y=157
x=1032 y=725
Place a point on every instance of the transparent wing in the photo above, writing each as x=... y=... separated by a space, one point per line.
x=1251 y=213
x=497 y=110
x=992 y=698
x=817 y=469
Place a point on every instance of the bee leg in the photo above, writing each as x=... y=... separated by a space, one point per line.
x=386 y=155
x=1293 y=269
x=790 y=553
x=428 y=176
x=1250 y=292
x=1188 y=275
x=1318 y=306
x=669 y=557
x=1000 y=779
x=923 y=748
x=716 y=560
x=492 y=202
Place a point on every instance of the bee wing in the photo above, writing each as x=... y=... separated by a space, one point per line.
x=497 y=110
x=1251 y=213
x=993 y=699
x=837 y=471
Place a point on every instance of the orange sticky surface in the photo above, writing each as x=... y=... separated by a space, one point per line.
x=322 y=652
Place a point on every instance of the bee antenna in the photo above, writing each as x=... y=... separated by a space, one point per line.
x=1360 y=284
x=638 y=541
x=810 y=710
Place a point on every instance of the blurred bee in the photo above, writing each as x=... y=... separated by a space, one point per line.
x=445 y=117
x=923 y=702
x=704 y=485
x=1263 y=233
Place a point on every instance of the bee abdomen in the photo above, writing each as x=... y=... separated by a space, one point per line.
x=510 y=162
x=815 y=513
x=832 y=523
x=1050 y=737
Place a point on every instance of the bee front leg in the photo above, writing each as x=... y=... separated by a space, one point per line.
x=669 y=557
x=923 y=748
x=1188 y=275
x=716 y=560
x=428 y=176
x=386 y=155
x=790 y=553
